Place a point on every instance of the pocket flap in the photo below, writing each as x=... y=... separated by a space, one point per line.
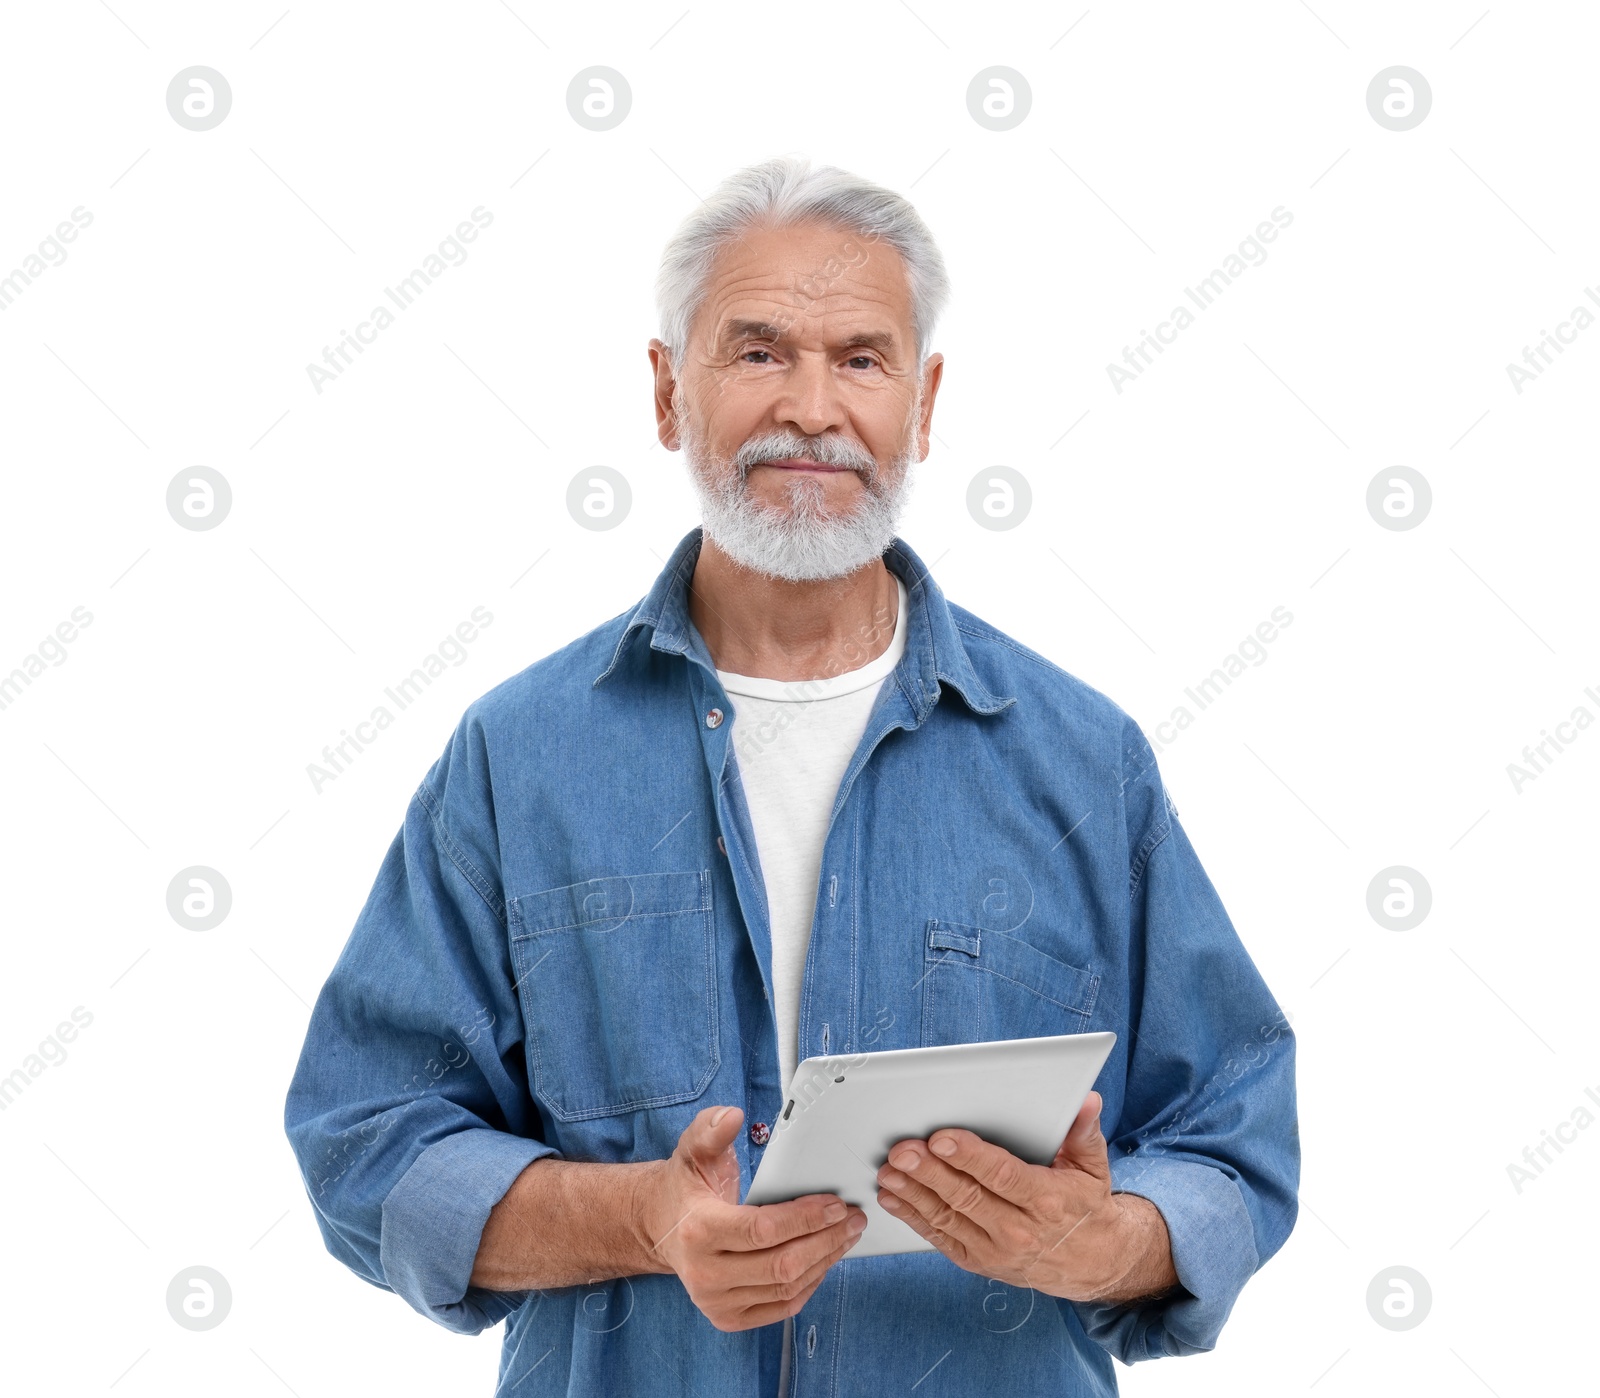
x=1013 y=959
x=610 y=901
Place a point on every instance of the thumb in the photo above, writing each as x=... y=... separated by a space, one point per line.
x=708 y=1143
x=1085 y=1147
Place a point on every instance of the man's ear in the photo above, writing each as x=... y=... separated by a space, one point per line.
x=932 y=373
x=664 y=386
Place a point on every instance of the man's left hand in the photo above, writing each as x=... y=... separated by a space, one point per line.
x=1057 y=1228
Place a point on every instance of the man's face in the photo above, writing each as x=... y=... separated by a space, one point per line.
x=798 y=401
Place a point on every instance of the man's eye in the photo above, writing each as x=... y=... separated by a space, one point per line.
x=864 y=361
x=748 y=353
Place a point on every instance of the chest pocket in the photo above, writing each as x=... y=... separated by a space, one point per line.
x=617 y=980
x=979 y=985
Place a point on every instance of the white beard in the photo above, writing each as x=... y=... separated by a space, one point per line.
x=802 y=542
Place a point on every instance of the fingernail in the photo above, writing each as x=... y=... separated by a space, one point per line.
x=835 y=1211
x=943 y=1146
x=858 y=1224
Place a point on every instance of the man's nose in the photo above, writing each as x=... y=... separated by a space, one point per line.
x=809 y=399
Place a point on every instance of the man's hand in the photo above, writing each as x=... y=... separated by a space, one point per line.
x=1057 y=1228
x=743 y=1265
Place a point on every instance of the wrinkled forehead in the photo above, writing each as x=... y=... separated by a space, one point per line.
x=810 y=283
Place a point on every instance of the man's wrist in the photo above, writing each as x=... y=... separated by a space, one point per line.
x=644 y=1187
x=1138 y=1254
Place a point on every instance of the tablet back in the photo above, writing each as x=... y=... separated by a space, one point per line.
x=841 y=1116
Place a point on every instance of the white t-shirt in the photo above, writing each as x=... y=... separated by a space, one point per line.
x=793 y=741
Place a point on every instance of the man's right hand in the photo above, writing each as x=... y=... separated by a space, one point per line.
x=743 y=1265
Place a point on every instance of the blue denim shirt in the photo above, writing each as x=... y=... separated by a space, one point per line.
x=566 y=953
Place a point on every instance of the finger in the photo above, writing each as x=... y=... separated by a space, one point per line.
x=800 y=1270
x=958 y=1249
x=765 y=1313
x=912 y=1201
x=1085 y=1147
x=707 y=1145
x=774 y=1266
x=994 y=1167
x=756 y=1227
x=932 y=1185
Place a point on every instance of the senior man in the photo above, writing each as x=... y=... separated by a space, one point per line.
x=792 y=803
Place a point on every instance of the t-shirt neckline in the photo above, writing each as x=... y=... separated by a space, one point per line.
x=831 y=686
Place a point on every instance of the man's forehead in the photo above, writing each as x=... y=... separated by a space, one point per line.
x=809 y=244
x=777 y=283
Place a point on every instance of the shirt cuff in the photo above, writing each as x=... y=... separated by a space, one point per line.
x=1213 y=1252
x=433 y=1223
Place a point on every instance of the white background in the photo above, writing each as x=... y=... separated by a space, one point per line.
x=430 y=478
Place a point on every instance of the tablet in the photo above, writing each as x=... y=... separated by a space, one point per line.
x=841 y=1115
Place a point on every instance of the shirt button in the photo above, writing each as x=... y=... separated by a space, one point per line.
x=759 y=1133
x=714 y=719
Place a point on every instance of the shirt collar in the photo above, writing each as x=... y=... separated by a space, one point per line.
x=934 y=649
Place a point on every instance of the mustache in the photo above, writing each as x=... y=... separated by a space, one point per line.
x=825 y=450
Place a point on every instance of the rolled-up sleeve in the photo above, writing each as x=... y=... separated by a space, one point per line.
x=1207 y=1130
x=409 y=1111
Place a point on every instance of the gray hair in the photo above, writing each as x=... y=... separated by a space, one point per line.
x=781 y=192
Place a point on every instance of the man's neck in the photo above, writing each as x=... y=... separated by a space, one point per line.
x=761 y=626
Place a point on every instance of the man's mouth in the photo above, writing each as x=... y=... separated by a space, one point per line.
x=802 y=463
